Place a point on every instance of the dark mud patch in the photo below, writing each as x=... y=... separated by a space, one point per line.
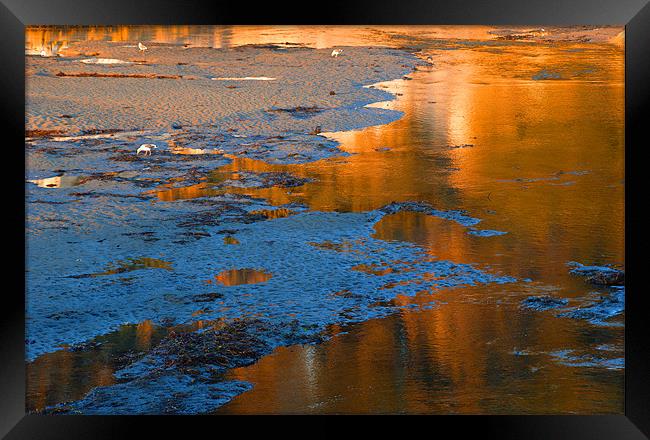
x=299 y=112
x=127 y=157
x=247 y=179
x=207 y=297
x=458 y=216
x=234 y=208
x=100 y=131
x=106 y=194
x=285 y=148
x=220 y=212
x=196 y=234
x=117 y=75
x=43 y=133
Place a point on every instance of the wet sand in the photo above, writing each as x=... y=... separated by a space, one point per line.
x=517 y=129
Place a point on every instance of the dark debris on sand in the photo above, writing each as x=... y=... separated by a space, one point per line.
x=607 y=279
x=236 y=344
x=269 y=179
x=207 y=297
x=42 y=133
x=197 y=358
x=598 y=275
x=299 y=112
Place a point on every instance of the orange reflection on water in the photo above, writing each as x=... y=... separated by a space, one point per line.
x=132 y=264
x=67 y=375
x=543 y=160
x=452 y=362
x=235 y=277
x=180 y=193
x=37 y=37
x=58 y=181
x=542 y=125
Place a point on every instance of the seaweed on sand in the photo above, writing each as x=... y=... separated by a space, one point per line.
x=600 y=275
x=543 y=302
x=299 y=112
x=459 y=217
x=219 y=214
x=247 y=179
x=235 y=344
x=118 y=75
x=183 y=374
x=42 y=133
x=207 y=297
x=225 y=346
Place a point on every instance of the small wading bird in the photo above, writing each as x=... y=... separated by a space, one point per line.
x=51 y=50
x=142 y=48
x=145 y=149
x=337 y=52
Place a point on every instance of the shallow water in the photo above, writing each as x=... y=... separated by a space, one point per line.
x=527 y=137
x=545 y=166
x=235 y=277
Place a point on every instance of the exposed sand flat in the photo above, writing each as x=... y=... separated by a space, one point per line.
x=132 y=97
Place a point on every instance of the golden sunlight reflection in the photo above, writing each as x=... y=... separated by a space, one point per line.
x=235 y=277
x=452 y=366
x=524 y=129
x=58 y=181
x=530 y=140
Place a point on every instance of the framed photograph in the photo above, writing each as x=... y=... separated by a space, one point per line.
x=375 y=209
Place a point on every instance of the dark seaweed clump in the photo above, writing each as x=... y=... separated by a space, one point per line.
x=616 y=278
x=299 y=112
x=543 y=302
x=599 y=275
x=184 y=373
x=235 y=345
x=601 y=311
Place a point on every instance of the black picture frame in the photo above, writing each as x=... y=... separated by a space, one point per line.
x=634 y=14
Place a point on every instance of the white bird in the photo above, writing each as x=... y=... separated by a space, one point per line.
x=51 y=50
x=146 y=149
x=142 y=47
x=336 y=52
